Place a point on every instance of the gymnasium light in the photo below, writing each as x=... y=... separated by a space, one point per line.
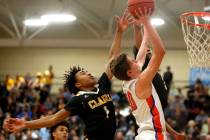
x=157 y=21
x=58 y=18
x=206 y=18
x=35 y=22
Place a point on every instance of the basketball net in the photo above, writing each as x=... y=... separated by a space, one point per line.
x=196 y=31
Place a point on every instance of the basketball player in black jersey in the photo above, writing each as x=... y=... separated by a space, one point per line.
x=92 y=101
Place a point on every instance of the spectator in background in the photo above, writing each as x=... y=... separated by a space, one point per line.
x=190 y=128
x=9 y=82
x=3 y=97
x=49 y=76
x=201 y=117
x=168 y=78
x=60 y=131
x=177 y=103
x=192 y=105
x=119 y=135
x=1 y=119
x=19 y=81
x=199 y=90
x=66 y=95
x=205 y=128
x=39 y=82
x=44 y=133
x=179 y=113
x=130 y=135
x=180 y=94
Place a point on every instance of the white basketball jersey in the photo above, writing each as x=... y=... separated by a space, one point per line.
x=147 y=112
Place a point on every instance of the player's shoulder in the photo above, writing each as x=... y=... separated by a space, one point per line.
x=104 y=76
x=76 y=98
x=129 y=83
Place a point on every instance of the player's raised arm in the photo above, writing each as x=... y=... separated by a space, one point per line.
x=122 y=24
x=141 y=55
x=145 y=78
x=15 y=125
x=137 y=35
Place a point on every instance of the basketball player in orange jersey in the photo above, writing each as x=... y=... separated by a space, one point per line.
x=138 y=87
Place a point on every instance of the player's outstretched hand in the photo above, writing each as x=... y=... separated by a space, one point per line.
x=14 y=125
x=124 y=21
x=142 y=15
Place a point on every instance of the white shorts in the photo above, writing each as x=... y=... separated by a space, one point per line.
x=150 y=135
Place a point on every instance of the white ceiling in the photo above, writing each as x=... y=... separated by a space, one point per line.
x=94 y=25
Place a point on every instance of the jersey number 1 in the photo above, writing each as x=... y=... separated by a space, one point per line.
x=107 y=111
x=131 y=101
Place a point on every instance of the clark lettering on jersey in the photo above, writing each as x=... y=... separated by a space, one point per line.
x=99 y=101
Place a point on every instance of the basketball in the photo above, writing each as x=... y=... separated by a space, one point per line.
x=133 y=6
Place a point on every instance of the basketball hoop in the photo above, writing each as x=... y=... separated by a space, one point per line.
x=196 y=31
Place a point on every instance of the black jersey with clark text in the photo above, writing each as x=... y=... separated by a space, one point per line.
x=96 y=109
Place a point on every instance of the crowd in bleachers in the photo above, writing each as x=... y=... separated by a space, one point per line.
x=190 y=114
x=31 y=98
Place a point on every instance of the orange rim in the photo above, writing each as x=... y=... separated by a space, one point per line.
x=184 y=18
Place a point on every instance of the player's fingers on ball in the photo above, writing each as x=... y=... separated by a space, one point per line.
x=124 y=13
x=137 y=14
x=146 y=10
x=127 y=14
x=117 y=17
x=131 y=19
x=140 y=12
x=150 y=11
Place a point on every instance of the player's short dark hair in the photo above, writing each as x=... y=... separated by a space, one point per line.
x=70 y=79
x=119 y=67
x=53 y=128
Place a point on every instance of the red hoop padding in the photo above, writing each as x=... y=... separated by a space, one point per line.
x=184 y=18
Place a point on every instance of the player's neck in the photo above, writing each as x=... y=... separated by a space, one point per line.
x=88 y=89
x=135 y=75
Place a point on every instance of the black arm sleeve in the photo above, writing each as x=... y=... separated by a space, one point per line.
x=74 y=106
x=104 y=83
x=146 y=62
x=161 y=90
x=147 y=59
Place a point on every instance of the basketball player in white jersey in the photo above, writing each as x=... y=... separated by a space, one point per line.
x=157 y=82
x=138 y=87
